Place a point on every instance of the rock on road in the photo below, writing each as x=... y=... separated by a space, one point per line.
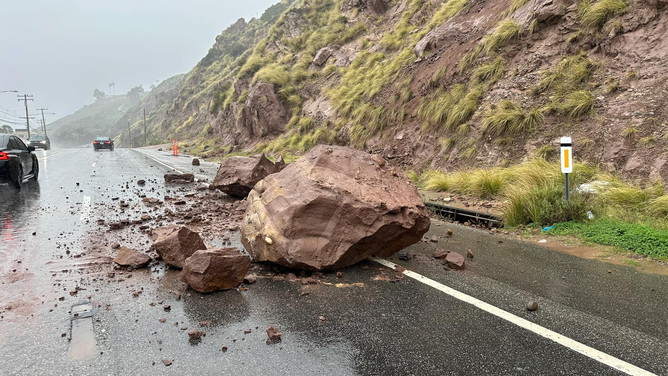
x=377 y=321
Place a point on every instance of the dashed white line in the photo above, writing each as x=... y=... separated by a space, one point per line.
x=585 y=350
x=85 y=209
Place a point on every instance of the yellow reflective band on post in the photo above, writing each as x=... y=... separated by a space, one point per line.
x=566 y=162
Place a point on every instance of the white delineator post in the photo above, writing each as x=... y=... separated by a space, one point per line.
x=567 y=161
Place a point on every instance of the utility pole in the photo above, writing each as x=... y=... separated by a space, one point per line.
x=44 y=121
x=25 y=99
x=145 y=130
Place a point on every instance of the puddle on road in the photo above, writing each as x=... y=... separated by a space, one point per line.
x=82 y=345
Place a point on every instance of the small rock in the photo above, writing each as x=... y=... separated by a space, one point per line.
x=247 y=331
x=455 y=260
x=532 y=306
x=469 y=254
x=204 y=323
x=440 y=254
x=167 y=307
x=339 y=275
x=196 y=334
x=141 y=182
x=273 y=333
x=224 y=349
x=115 y=246
x=167 y=362
x=448 y=233
x=195 y=162
x=434 y=239
x=250 y=279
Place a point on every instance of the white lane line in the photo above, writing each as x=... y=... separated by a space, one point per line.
x=156 y=160
x=85 y=209
x=585 y=350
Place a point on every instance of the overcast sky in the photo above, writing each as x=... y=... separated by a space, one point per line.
x=61 y=50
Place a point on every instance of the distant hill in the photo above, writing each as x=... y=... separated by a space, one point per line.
x=156 y=103
x=96 y=119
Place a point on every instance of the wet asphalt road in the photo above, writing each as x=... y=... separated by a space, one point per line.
x=374 y=324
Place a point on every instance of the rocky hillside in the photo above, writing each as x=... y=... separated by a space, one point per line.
x=430 y=83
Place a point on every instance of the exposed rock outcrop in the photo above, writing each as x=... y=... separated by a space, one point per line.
x=543 y=11
x=215 y=269
x=332 y=208
x=238 y=175
x=376 y=6
x=263 y=113
x=176 y=243
x=322 y=56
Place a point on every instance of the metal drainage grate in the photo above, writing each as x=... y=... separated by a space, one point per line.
x=465 y=215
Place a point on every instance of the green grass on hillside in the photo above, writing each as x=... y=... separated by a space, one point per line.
x=533 y=193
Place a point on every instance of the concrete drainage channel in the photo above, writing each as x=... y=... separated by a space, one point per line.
x=82 y=345
x=465 y=215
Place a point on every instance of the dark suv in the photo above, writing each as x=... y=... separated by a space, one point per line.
x=103 y=143
x=39 y=142
x=17 y=161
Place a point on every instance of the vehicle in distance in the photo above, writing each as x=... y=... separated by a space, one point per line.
x=17 y=161
x=103 y=143
x=39 y=142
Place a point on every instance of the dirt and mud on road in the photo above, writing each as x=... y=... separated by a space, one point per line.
x=64 y=298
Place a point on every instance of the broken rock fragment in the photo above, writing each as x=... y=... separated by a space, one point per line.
x=455 y=260
x=132 y=258
x=215 y=269
x=196 y=334
x=330 y=209
x=238 y=175
x=179 y=178
x=273 y=333
x=175 y=244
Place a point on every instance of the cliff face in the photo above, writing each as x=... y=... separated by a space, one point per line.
x=432 y=83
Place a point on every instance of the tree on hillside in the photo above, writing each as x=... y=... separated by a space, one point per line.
x=152 y=86
x=6 y=129
x=135 y=93
x=99 y=94
x=112 y=85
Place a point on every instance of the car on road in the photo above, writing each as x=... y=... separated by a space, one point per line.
x=103 y=143
x=17 y=161
x=39 y=142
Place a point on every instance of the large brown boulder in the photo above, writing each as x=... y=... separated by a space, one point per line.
x=176 y=243
x=332 y=208
x=238 y=175
x=132 y=258
x=215 y=269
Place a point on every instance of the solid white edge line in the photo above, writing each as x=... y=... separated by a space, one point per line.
x=156 y=160
x=585 y=350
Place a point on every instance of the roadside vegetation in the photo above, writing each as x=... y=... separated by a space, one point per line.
x=533 y=194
